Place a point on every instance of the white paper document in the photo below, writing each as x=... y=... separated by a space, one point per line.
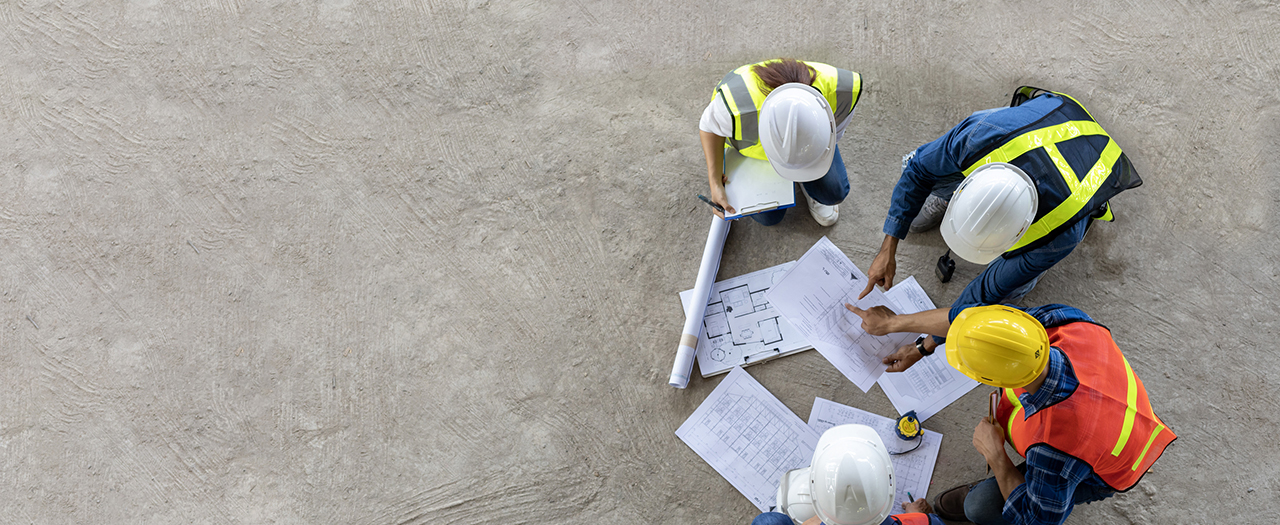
x=749 y=437
x=931 y=384
x=911 y=471
x=740 y=327
x=753 y=186
x=910 y=296
x=812 y=296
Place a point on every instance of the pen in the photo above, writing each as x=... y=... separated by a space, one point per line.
x=910 y=497
x=711 y=204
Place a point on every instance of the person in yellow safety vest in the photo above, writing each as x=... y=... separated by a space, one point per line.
x=1014 y=188
x=1068 y=401
x=791 y=113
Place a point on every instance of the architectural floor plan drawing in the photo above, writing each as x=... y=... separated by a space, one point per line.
x=912 y=470
x=812 y=296
x=930 y=384
x=740 y=327
x=749 y=437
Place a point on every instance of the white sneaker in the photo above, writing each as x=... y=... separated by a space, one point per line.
x=825 y=215
x=930 y=214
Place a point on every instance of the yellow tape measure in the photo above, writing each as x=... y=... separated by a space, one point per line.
x=908 y=426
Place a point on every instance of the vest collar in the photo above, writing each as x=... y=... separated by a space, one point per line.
x=1059 y=383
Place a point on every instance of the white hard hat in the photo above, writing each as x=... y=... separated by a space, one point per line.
x=989 y=212
x=849 y=482
x=794 y=499
x=798 y=132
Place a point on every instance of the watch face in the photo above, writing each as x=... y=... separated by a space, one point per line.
x=920 y=346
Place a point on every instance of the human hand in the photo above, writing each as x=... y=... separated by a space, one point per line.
x=902 y=359
x=988 y=439
x=877 y=320
x=882 y=270
x=919 y=505
x=719 y=196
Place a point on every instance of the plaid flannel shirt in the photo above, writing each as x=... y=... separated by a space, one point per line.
x=1052 y=476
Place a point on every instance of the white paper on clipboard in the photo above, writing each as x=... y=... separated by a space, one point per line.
x=753 y=186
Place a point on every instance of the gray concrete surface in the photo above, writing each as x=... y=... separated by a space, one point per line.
x=417 y=262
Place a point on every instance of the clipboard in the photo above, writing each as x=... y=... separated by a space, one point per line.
x=753 y=186
x=995 y=403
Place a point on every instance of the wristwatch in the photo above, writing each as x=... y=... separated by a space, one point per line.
x=920 y=346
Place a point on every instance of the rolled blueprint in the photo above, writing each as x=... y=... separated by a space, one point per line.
x=698 y=304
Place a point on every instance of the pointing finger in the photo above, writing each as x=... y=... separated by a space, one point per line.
x=870 y=284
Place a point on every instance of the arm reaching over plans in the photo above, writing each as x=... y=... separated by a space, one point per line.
x=883 y=266
x=881 y=321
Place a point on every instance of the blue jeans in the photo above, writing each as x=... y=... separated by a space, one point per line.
x=772 y=518
x=1009 y=280
x=778 y=518
x=946 y=187
x=985 y=503
x=831 y=189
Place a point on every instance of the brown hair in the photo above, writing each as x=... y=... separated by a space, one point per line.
x=783 y=71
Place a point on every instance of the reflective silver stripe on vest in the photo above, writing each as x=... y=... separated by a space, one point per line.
x=844 y=95
x=746 y=111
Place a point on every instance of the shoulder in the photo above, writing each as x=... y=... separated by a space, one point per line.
x=828 y=69
x=1008 y=119
x=1051 y=315
x=740 y=72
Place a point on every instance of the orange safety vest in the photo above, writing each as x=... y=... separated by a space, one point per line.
x=1107 y=422
x=914 y=518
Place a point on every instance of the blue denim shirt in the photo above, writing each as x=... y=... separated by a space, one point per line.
x=1053 y=477
x=939 y=162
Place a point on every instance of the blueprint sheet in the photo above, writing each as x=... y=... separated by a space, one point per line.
x=749 y=437
x=931 y=384
x=911 y=471
x=812 y=296
x=740 y=327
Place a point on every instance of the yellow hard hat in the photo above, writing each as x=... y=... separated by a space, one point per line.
x=998 y=345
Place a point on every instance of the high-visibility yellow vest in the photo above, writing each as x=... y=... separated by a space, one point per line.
x=743 y=93
x=1075 y=165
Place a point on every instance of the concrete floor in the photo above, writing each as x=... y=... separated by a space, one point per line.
x=417 y=262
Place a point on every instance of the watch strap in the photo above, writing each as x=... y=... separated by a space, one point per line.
x=920 y=346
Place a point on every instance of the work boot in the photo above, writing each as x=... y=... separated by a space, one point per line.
x=930 y=214
x=825 y=215
x=950 y=504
